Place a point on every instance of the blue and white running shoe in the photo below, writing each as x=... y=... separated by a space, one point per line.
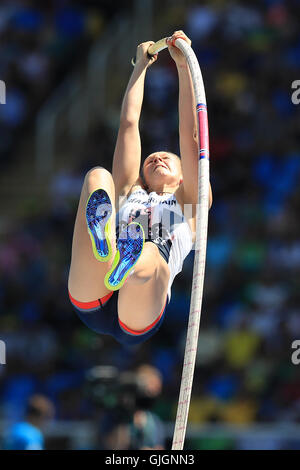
x=129 y=248
x=98 y=217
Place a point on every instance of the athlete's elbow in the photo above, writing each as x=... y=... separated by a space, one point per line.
x=129 y=120
x=195 y=135
x=210 y=197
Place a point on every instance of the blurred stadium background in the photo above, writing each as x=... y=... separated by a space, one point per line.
x=66 y=65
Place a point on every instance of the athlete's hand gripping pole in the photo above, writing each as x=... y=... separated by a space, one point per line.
x=154 y=48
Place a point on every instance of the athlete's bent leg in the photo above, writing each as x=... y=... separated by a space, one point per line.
x=148 y=264
x=144 y=295
x=86 y=275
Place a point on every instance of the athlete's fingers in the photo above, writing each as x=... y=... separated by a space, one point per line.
x=179 y=34
x=142 y=53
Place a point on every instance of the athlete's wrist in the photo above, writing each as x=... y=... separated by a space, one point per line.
x=140 y=66
x=182 y=65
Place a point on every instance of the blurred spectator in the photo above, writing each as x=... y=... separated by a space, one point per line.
x=27 y=435
x=146 y=428
x=241 y=345
x=200 y=21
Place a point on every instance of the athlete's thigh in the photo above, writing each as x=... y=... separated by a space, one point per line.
x=86 y=275
x=139 y=305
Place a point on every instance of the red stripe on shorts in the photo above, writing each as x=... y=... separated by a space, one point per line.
x=93 y=303
x=140 y=332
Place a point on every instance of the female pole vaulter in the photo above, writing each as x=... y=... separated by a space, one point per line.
x=123 y=264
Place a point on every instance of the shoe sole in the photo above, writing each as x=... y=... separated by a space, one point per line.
x=129 y=248
x=98 y=217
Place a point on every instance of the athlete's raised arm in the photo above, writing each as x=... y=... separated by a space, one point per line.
x=187 y=125
x=127 y=155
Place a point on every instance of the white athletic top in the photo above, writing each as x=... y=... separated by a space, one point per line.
x=163 y=215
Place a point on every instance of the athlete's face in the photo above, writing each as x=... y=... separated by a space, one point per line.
x=162 y=167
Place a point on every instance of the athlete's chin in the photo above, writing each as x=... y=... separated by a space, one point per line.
x=160 y=170
x=160 y=178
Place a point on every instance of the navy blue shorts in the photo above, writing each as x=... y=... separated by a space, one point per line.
x=101 y=316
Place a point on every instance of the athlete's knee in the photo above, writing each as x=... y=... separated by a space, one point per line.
x=157 y=270
x=140 y=276
x=96 y=174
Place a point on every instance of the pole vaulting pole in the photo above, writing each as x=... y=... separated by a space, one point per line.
x=201 y=239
